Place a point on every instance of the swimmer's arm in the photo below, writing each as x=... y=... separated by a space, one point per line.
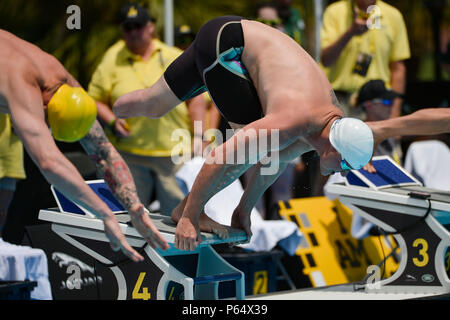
x=153 y=102
x=222 y=167
x=429 y=121
x=27 y=114
x=110 y=165
x=118 y=177
x=29 y=122
x=262 y=175
x=257 y=185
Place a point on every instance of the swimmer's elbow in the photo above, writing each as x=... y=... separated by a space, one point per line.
x=50 y=169
x=48 y=165
x=54 y=163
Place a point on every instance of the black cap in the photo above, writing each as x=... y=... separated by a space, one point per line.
x=375 y=89
x=134 y=13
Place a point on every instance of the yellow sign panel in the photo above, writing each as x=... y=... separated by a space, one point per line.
x=329 y=253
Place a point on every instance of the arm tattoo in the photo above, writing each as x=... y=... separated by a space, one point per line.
x=110 y=165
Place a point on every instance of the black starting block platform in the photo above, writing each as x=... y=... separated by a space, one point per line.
x=83 y=266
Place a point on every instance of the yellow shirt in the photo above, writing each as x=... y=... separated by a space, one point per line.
x=387 y=44
x=120 y=72
x=11 y=151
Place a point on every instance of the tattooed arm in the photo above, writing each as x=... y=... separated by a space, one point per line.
x=110 y=165
x=116 y=174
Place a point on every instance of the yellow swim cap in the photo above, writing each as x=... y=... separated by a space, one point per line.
x=71 y=113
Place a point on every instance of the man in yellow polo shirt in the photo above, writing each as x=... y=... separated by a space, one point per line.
x=11 y=165
x=136 y=62
x=364 y=40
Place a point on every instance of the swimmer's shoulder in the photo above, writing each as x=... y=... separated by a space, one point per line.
x=19 y=60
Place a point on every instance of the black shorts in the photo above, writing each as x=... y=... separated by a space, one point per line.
x=213 y=63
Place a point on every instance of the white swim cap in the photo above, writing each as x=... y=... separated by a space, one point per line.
x=353 y=139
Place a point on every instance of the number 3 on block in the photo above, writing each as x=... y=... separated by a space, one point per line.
x=422 y=252
x=144 y=295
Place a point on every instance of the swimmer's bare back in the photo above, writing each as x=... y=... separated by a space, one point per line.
x=23 y=61
x=287 y=78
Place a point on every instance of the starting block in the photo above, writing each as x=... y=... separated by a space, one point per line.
x=83 y=266
x=400 y=205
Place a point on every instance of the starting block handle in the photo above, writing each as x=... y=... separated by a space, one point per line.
x=217 y=278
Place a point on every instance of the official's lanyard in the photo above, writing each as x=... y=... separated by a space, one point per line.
x=138 y=75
